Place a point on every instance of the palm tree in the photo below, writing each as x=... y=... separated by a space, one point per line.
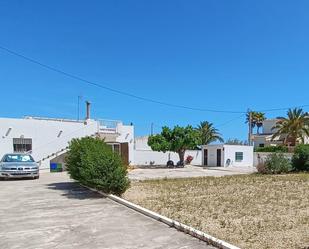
x=208 y=133
x=294 y=127
x=257 y=119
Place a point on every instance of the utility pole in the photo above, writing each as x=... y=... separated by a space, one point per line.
x=79 y=98
x=151 y=129
x=250 y=127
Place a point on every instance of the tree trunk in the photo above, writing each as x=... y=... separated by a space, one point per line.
x=181 y=154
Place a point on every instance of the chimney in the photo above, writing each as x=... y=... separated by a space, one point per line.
x=87 y=110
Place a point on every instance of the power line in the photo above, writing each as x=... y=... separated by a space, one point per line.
x=282 y=109
x=51 y=68
x=113 y=89
x=231 y=120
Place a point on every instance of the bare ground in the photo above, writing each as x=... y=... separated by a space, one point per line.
x=250 y=211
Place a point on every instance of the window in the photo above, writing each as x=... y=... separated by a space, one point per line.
x=261 y=145
x=115 y=148
x=239 y=156
x=18 y=158
x=22 y=144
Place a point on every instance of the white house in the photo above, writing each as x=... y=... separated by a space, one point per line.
x=47 y=138
x=264 y=138
x=223 y=155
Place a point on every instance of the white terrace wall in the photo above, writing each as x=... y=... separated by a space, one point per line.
x=260 y=157
x=143 y=155
x=148 y=157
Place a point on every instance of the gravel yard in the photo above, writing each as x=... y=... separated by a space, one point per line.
x=249 y=211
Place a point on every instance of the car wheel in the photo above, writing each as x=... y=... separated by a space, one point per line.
x=36 y=177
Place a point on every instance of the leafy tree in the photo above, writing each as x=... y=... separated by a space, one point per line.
x=93 y=163
x=208 y=133
x=179 y=139
x=257 y=119
x=235 y=141
x=294 y=127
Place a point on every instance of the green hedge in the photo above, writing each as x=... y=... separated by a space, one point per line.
x=300 y=160
x=279 y=148
x=93 y=163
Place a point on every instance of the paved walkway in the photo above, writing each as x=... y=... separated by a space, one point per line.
x=54 y=212
x=187 y=171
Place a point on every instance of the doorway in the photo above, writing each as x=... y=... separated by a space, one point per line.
x=124 y=152
x=218 y=157
x=205 y=157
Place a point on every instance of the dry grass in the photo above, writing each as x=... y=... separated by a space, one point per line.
x=250 y=211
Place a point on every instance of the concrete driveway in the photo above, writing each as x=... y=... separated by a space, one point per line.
x=187 y=171
x=54 y=212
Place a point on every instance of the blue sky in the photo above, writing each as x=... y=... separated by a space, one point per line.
x=225 y=55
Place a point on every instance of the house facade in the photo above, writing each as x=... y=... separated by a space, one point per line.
x=264 y=138
x=223 y=155
x=47 y=139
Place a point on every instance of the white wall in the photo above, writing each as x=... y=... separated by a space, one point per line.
x=259 y=140
x=148 y=157
x=197 y=156
x=268 y=125
x=141 y=143
x=126 y=135
x=229 y=153
x=44 y=134
x=145 y=157
x=212 y=154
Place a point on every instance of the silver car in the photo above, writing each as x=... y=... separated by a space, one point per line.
x=18 y=165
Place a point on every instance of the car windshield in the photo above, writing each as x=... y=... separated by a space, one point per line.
x=17 y=158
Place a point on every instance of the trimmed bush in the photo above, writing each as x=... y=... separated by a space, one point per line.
x=93 y=163
x=275 y=163
x=279 y=148
x=300 y=159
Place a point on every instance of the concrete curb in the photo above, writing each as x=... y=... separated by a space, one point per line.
x=172 y=223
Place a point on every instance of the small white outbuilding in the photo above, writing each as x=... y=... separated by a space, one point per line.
x=224 y=155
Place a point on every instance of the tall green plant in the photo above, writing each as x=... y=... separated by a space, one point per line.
x=179 y=139
x=294 y=127
x=257 y=119
x=93 y=163
x=208 y=133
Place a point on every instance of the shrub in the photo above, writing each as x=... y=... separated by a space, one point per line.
x=93 y=163
x=276 y=163
x=261 y=168
x=300 y=159
x=189 y=159
x=279 y=148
